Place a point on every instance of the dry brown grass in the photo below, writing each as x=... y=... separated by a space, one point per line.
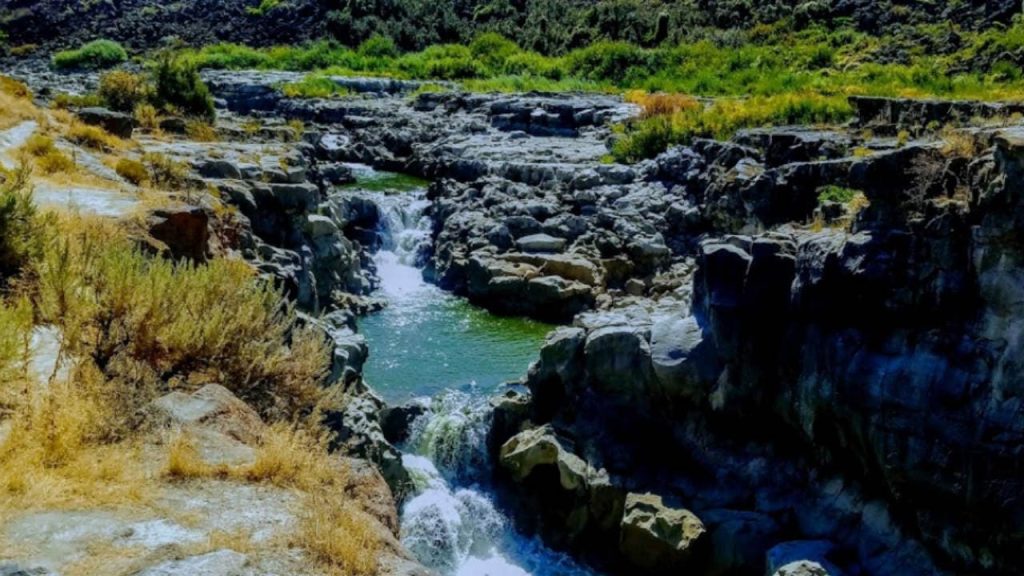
x=147 y=117
x=958 y=144
x=15 y=103
x=132 y=171
x=94 y=137
x=151 y=318
x=44 y=155
x=185 y=463
x=295 y=456
x=201 y=131
x=660 y=103
x=339 y=535
x=56 y=454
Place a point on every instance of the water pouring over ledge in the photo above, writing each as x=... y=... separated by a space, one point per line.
x=432 y=347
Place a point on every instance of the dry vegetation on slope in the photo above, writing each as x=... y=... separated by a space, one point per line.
x=78 y=431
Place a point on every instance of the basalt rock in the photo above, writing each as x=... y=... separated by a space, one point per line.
x=117 y=123
x=658 y=539
x=185 y=232
x=871 y=351
x=575 y=503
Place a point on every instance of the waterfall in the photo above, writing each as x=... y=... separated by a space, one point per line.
x=453 y=434
x=450 y=523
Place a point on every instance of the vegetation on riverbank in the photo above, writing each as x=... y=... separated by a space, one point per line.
x=93 y=55
x=769 y=75
x=772 y=73
x=93 y=329
x=763 y=61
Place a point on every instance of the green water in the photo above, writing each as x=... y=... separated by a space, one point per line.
x=372 y=180
x=427 y=341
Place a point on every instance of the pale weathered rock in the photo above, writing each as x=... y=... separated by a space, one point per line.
x=655 y=536
x=540 y=447
x=218 y=563
x=212 y=407
x=802 y=568
x=541 y=243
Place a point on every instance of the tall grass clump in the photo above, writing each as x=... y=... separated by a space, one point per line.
x=140 y=317
x=339 y=535
x=94 y=55
x=15 y=103
x=654 y=132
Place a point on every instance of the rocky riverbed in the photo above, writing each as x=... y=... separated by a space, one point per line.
x=746 y=380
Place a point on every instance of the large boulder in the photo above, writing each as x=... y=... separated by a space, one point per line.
x=618 y=362
x=117 y=123
x=576 y=503
x=223 y=429
x=801 y=558
x=658 y=538
x=213 y=407
x=184 y=231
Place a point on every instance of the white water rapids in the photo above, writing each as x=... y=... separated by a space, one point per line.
x=450 y=523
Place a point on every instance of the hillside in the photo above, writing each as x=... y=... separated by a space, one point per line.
x=548 y=26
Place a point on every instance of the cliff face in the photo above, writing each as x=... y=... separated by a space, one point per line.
x=861 y=387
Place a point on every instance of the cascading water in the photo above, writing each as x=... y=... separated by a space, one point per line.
x=431 y=346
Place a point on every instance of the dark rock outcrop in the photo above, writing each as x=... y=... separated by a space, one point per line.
x=117 y=123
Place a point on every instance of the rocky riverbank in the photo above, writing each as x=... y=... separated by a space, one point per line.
x=750 y=379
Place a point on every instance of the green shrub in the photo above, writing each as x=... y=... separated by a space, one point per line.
x=533 y=64
x=314 y=86
x=227 y=56
x=22 y=230
x=177 y=85
x=493 y=49
x=122 y=91
x=836 y=194
x=652 y=135
x=95 y=55
x=378 y=46
x=610 y=62
x=214 y=322
x=264 y=7
x=15 y=337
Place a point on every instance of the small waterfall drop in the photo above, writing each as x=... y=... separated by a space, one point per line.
x=445 y=348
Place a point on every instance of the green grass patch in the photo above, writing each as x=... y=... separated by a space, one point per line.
x=94 y=55
x=314 y=86
x=838 y=194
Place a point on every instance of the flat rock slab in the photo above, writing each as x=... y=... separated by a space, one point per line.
x=12 y=139
x=219 y=563
x=93 y=201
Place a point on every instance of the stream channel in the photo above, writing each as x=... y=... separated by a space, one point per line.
x=432 y=347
